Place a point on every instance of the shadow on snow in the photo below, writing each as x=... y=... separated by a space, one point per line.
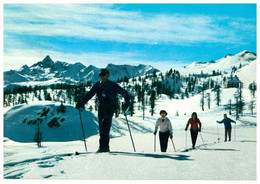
x=151 y=155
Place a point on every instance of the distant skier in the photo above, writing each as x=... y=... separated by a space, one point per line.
x=165 y=130
x=195 y=127
x=227 y=123
x=106 y=92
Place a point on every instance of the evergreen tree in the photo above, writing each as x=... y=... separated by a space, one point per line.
x=126 y=80
x=38 y=135
x=237 y=108
x=186 y=93
x=202 y=101
x=218 y=93
x=39 y=96
x=47 y=97
x=14 y=98
x=131 y=105
x=159 y=88
x=182 y=96
x=229 y=107
x=143 y=101
x=252 y=88
x=212 y=83
x=152 y=101
x=252 y=106
x=208 y=100
x=154 y=74
x=79 y=93
x=239 y=96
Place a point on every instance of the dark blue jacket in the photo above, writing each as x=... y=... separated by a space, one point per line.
x=227 y=122
x=107 y=94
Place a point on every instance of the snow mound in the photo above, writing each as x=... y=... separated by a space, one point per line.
x=55 y=126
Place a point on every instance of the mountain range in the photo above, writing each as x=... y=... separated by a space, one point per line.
x=48 y=72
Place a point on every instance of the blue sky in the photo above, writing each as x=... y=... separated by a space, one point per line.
x=162 y=35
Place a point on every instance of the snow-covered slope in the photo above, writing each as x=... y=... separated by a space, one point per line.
x=56 y=159
x=247 y=74
x=234 y=160
x=62 y=72
x=62 y=134
x=23 y=129
x=223 y=64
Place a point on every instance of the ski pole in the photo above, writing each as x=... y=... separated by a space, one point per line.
x=154 y=143
x=82 y=130
x=235 y=133
x=173 y=146
x=129 y=131
x=186 y=141
x=218 y=132
x=202 y=139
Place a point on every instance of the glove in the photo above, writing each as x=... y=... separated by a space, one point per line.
x=186 y=129
x=154 y=133
x=199 y=130
x=79 y=105
x=171 y=136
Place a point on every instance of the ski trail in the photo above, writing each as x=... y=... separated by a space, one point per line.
x=57 y=157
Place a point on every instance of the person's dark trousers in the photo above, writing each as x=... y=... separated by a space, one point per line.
x=104 y=120
x=164 y=136
x=228 y=133
x=194 y=135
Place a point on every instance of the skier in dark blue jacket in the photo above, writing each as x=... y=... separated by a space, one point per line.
x=106 y=92
x=227 y=123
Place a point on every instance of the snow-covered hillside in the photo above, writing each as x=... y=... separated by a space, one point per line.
x=224 y=64
x=47 y=72
x=61 y=130
x=57 y=160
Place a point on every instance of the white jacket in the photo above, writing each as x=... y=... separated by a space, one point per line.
x=164 y=125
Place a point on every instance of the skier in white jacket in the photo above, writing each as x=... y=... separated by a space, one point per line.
x=165 y=130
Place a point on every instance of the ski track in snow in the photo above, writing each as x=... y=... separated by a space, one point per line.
x=125 y=160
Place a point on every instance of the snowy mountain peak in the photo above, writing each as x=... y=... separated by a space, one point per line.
x=47 y=61
x=224 y=64
x=61 y=72
x=229 y=55
x=25 y=69
x=246 y=52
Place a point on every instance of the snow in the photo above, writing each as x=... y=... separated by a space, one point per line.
x=69 y=131
x=223 y=64
x=56 y=159
x=216 y=160
x=247 y=74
